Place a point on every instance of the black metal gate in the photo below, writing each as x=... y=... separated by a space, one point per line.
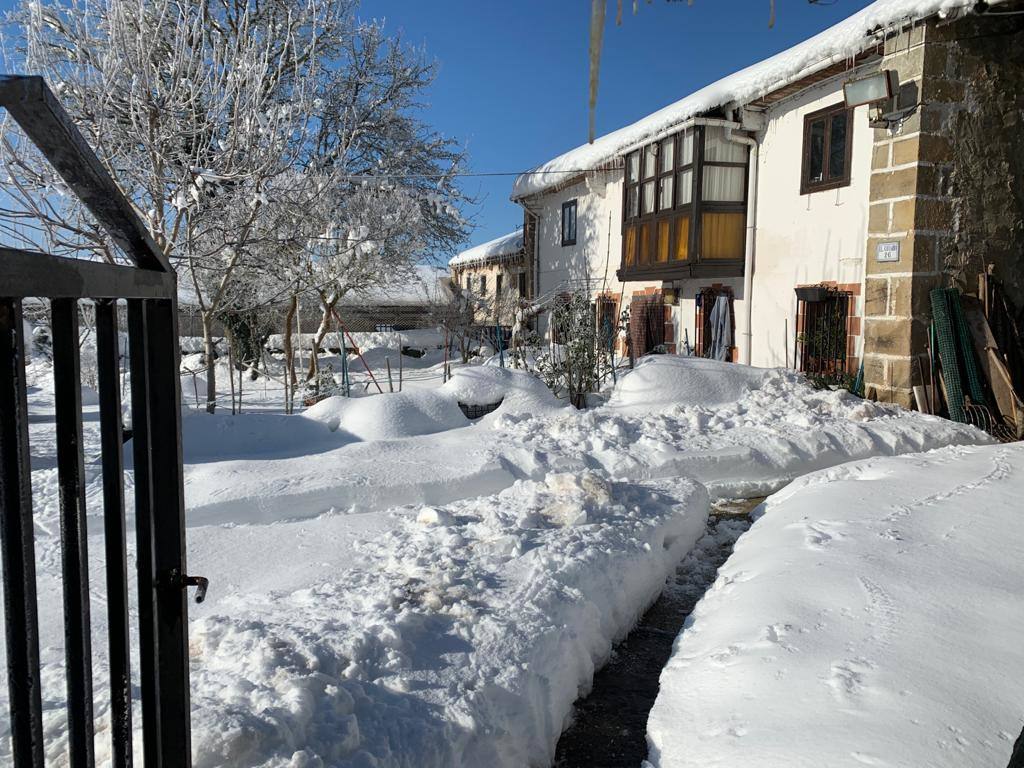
x=149 y=289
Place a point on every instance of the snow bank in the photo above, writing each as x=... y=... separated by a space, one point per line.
x=518 y=391
x=506 y=245
x=459 y=636
x=836 y=44
x=777 y=428
x=211 y=437
x=390 y=415
x=872 y=616
x=668 y=380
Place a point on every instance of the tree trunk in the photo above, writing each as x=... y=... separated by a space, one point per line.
x=289 y=367
x=211 y=362
x=318 y=338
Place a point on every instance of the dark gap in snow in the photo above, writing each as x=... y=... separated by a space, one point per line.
x=610 y=725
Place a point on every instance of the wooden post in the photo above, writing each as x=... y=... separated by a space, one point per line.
x=391 y=384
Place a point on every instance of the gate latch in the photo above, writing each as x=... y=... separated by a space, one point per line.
x=200 y=583
x=175 y=579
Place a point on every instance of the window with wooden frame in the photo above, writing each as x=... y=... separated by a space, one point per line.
x=827 y=149
x=569 y=223
x=483 y=285
x=685 y=206
x=522 y=284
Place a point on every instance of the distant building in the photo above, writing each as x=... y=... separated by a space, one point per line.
x=495 y=277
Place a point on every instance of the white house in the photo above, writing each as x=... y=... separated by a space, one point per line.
x=769 y=181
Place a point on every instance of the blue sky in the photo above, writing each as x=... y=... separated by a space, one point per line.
x=512 y=74
x=512 y=79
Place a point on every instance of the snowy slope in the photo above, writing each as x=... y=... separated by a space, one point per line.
x=457 y=636
x=350 y=630
x=871 y=616
x=741 y=431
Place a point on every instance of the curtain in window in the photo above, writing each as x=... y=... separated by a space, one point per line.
x=630 y=246
x=664 y=193
x=663 y=241
x=718 y=150
x=648 y=197
x=685 y=186
x=682 y=249
x=686 y=148
x=723 y=184
x=722 y=236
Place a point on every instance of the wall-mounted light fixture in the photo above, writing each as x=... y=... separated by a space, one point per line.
x=872 y=89
x=881 y=92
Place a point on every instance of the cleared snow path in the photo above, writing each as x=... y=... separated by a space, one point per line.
x=609 y=724
x=871 y=616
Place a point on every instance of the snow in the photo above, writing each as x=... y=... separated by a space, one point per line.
x=776 y=429
x=517 y=391
x=695 y=381
x=836 y=44
x=454 y=637
x=506 y=245
x=381 y=597
x=871 y=616
x=389 y=416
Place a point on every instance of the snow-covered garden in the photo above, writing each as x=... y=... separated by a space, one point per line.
x=395 y=584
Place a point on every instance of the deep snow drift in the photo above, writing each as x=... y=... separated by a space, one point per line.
x=871 y=616
x=457 y=635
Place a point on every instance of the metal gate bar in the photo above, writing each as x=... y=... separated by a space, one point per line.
x=150 y=290
x=17 y=545
x=73 y=535
x=111 y=438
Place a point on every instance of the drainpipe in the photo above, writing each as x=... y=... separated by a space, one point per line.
x=748 y=256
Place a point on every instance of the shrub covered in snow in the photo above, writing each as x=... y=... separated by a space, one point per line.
x=389 y=416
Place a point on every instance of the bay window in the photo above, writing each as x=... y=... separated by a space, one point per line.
x=685 y=206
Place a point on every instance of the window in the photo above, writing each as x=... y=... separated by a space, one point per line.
x=497 y=286
x=483 y=285
x=822 y=324
x=522 y=284
x=685 y=205
x=828 y=145
x=469 y=287
x=569 y=223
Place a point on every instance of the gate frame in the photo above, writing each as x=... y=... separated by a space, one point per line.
x=150 y=289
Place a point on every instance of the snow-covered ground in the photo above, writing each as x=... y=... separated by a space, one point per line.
x=871 y=616
x=393 y=584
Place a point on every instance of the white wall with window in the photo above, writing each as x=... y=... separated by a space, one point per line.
x=803 y=236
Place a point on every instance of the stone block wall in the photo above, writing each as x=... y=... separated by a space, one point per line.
x=947 y=185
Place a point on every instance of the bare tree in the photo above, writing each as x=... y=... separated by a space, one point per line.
x=195 y=108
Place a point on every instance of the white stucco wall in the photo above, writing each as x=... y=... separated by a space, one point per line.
x=803 y=239
x=594 y=259
x=799 y=239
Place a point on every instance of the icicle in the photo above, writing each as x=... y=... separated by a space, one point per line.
x=597 y=8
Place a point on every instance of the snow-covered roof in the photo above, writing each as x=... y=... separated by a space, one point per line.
x=423 y=288
x=506 y=245
x=836 y=44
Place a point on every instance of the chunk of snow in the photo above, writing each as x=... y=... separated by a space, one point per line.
x=390 y=415
x=666 y=380
x=871 y=616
